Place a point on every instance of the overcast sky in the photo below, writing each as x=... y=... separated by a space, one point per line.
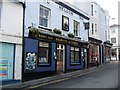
x=111 y=6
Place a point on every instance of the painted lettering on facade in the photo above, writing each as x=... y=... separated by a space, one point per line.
x=65 y=10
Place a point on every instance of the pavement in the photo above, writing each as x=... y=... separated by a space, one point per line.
x=56 y=78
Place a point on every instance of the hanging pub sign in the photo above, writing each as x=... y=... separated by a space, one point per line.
x=86 y=25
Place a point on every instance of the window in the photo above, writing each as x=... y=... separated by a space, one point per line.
x=92 y=28
x=112 y=31
x=92 y=10
x=113 y=40
x=75 y=55
x=76 y=28
x=43 y=53
x=113 y=52
x=95 y=27
x=44 y=16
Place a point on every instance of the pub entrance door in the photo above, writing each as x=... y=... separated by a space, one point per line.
x=61 y=58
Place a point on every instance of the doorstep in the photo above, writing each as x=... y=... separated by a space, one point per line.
x=9 y=81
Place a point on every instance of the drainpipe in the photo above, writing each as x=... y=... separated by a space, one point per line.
x=24 y=6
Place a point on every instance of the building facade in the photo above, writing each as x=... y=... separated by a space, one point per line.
x=99 y=30
x=48 y=52
x=115 y=38
x=11 y=23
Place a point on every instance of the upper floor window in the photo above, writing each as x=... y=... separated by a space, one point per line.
x=92 y=10
x=92 y=28
x=44 y=17
x=76 y=28
x=113 y=40
x=95 y=27
x=112 y=31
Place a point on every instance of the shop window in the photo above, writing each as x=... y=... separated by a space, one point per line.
x=43 y=53
x=114 y=52
x=75 y=55
x=44 y=17
x=76 y=28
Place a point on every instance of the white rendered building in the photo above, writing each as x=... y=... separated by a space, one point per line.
x=99 y=28
x=115 y=40
x=11 y=26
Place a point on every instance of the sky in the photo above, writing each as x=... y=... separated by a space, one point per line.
x=112 y=7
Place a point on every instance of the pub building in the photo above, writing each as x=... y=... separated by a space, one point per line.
x=61 y=41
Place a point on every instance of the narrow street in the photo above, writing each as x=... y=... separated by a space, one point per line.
x=103 y=78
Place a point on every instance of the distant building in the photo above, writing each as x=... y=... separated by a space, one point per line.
x=115 y=40
x=99 y=30
x=11 y=26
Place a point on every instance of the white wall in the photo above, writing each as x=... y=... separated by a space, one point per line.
x=11 y=30
x=55 y=18
x=18 y=61
x=98 y=18
x=11 y=18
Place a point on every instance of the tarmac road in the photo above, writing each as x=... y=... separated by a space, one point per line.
x=105 y=78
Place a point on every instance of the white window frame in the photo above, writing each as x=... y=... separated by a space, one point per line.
x=76 y=30
x=48 y=19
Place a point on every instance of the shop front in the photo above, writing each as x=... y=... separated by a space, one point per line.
x=49 y=54
x=7 y=59
x=107 y=51
x=94 y=52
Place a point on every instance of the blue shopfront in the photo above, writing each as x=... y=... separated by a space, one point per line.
x=49 y=54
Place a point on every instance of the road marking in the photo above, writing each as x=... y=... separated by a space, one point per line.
x=55 y=81
x=63 y=79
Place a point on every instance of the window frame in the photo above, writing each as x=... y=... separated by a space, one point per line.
x=92 y=10
x=48 y=19
x=76 y=29
x=92 y=28
x=112 y=40
x=49 y=54
x=75 y=63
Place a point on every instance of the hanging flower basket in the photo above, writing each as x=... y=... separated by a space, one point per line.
x=57 y=31
x=33 y=32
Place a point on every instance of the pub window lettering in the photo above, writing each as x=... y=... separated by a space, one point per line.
x=44 y=17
